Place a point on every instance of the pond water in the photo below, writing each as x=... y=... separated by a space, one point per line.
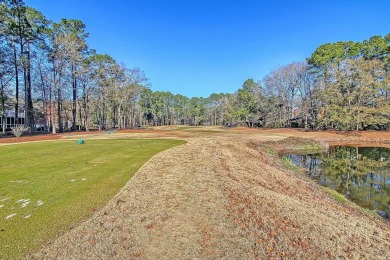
x=362 y=174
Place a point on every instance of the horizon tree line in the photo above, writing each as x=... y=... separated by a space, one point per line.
x=50 y=74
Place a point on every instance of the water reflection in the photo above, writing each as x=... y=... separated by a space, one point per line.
x=360 y=173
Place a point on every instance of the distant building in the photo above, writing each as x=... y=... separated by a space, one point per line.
x=10 y=119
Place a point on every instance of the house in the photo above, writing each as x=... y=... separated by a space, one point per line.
x=10 y=119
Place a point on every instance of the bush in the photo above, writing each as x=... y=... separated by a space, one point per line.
x=19 y=130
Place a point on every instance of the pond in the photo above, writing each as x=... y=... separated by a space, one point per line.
x=362 y=174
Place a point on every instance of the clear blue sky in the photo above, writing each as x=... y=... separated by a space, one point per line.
x=197 y=47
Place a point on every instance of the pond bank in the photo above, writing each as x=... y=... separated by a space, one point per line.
x=360 y=173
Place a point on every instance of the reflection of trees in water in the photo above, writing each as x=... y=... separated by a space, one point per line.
x=360 y=173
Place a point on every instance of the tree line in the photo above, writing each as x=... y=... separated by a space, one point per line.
x=47 y=71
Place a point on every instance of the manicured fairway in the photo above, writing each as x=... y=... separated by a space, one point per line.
x=48 y=187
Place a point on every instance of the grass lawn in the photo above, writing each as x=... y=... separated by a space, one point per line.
x=47 y=188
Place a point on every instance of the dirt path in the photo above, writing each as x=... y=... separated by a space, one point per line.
x=216 y=197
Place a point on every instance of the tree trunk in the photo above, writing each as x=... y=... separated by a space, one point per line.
x=86 y=111
x=74 y=104
x=26 y=115
x=26 y=121
x=80 y=116
x=2 y=95
x=51 y=105
x=51 y=121
x=119 y=117
x=59 y=119
x=103 y=123
x=30 y=108
x=59 y=105
x=16 y=82
x=44 y=97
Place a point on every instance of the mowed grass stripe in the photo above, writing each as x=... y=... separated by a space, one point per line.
x=52 y=186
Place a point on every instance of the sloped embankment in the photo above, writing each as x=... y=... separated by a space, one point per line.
x=220 y=197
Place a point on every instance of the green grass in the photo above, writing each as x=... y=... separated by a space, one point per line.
x=270 y=151
x=343 y=200
x=71 y=181
x=336 y=196
x=297 y=145
x=288 y=164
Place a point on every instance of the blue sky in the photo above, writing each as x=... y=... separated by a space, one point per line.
x=197 y=47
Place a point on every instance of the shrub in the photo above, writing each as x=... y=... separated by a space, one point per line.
x=18 y=131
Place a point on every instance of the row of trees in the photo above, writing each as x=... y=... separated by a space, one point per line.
x=344 y=86
x=62 y=79
x=47 y=71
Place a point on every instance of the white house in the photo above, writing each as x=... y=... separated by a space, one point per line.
x=10 y=119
